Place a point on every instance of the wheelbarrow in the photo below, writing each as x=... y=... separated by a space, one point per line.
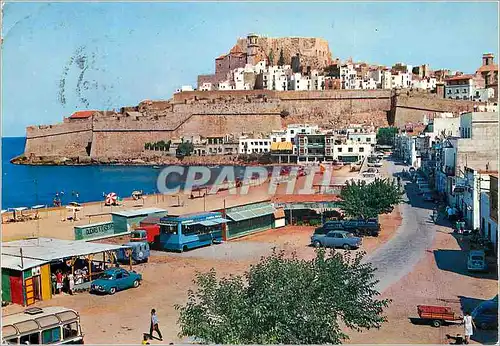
x=438 y=315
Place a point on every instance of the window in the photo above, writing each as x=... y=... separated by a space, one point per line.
x=368 y=139
x=359 y=139
x=52 y=335
x=465 y=90
x=339 y=150
x=361 y=150
x=119 y=276
x=70 y=330
x=274 y=139
x=31 y=338
x=350 y=150
x=283 y=139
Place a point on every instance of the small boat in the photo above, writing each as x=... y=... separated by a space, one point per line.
x=156 y=167
x=213 y=166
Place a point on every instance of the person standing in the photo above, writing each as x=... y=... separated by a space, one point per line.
x=71 y=283
x=54 y=283
x=468 y=326
x=154 y=325
x=59 y=282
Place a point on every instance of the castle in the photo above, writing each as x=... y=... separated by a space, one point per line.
x=314 y=53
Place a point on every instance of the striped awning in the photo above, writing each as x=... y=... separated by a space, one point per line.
x=214 y=222
x=281 y=146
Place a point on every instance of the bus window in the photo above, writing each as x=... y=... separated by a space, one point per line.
x=70 y=330
x=52 y=335
x=12 y=341
x=30 y=339
x=171 y=229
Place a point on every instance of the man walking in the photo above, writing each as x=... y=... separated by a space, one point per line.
x=154 y=325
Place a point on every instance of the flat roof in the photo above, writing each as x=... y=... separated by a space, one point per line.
x=138 y=212
x=14 y=262
x=48 y=249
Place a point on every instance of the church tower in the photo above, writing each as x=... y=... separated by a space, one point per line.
x=252 y=49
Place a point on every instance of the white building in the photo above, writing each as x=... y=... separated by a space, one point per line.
x=466 y=87
x=254 y=145
x=401 y=80
x=369 y=84
x=276 y=78
x=428 y=83
x=291 y=132
x=351 y=151
x=184 y=88
x=489 y=212
x=348 y=76
x=370 y=138
x=299 y=82
x=386 y=79
x=468 y=200
x=226 y=85
x=206 y=86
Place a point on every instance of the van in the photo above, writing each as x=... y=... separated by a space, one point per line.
x=476 y=261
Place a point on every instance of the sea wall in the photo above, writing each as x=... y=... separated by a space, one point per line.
x=63 y=140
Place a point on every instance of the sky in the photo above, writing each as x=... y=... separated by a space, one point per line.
x=62 y=57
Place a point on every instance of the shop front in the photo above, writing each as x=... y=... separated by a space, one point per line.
x=249 y=218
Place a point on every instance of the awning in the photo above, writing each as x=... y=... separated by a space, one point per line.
x=213 y=222
x=251 y=212
x=274 y=145
x=38 y=206
x=281 y=146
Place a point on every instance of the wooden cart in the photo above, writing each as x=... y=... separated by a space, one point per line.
x=437 y=315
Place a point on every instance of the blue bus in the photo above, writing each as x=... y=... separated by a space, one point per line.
x=189 y=231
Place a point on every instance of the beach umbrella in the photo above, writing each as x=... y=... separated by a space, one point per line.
x=111 y=198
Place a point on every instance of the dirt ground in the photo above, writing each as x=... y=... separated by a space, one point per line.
x=124 y=316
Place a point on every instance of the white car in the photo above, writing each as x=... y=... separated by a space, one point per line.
x=476 y=261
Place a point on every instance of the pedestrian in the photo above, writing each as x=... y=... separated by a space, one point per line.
x=468 y=326
x=71 y=283
x=154 y=325
x=54 y=280
x=59 y=281
x=145 y=339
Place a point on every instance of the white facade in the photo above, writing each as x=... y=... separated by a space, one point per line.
x=401 y=80
x=386 y=79
x=276 y=78
x=206 y=86
x=184 y=88
x=468 y=200
x=290 y=133
x=369 y=84
x=254 y=145
x=489 y=226
x=424 y=83
x=348 y=76
x=362 y=137
x=299 y=82
x=226 y=85
x=351 y=149
x=466 y=88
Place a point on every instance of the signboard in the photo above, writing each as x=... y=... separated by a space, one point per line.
x=94 y=230
x=308 y=205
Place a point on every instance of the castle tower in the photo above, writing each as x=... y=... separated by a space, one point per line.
x=488 y=59
x=252 y=49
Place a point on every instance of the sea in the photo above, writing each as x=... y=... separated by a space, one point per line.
x=27 y=186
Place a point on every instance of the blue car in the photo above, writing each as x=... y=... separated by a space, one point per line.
x=485 y=315
x=116 y=279
x=138 y=250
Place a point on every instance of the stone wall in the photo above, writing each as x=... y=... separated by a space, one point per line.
x=412 y=109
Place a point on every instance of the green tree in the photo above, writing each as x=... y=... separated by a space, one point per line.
x=284 y=300
x=185 y=149
x=362 y=200
x=271 y=57
x=281 y=60
x=385 y=135
x=147 y=146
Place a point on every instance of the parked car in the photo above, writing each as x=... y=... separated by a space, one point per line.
x=476 y=261
x=139 y=251
x=485 y=315
x=428 y=197
x=336 y=225
x=375 y=164
x=362 y=227
x=335 y=239
x=114 y=280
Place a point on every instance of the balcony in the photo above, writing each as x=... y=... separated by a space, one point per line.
x=315 y=145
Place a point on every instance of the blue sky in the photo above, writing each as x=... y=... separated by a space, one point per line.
x=129 y=52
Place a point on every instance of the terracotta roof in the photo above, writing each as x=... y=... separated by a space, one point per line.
x=462 y=77
x=487 y=68
x=305 y=198
x=82 y=114
x=221 y=57
x=236 y=49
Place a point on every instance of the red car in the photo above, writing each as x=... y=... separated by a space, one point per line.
x=145 y=233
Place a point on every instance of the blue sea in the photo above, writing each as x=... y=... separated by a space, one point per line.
x=26 y=186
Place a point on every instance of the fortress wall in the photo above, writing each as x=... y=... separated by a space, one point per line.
x=189 y=96
x=70 y=144
x=413 y=109
x=57 y=129
x=165 y=122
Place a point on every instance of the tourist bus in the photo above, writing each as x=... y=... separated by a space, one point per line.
x=50 y=325
x=189 y=231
